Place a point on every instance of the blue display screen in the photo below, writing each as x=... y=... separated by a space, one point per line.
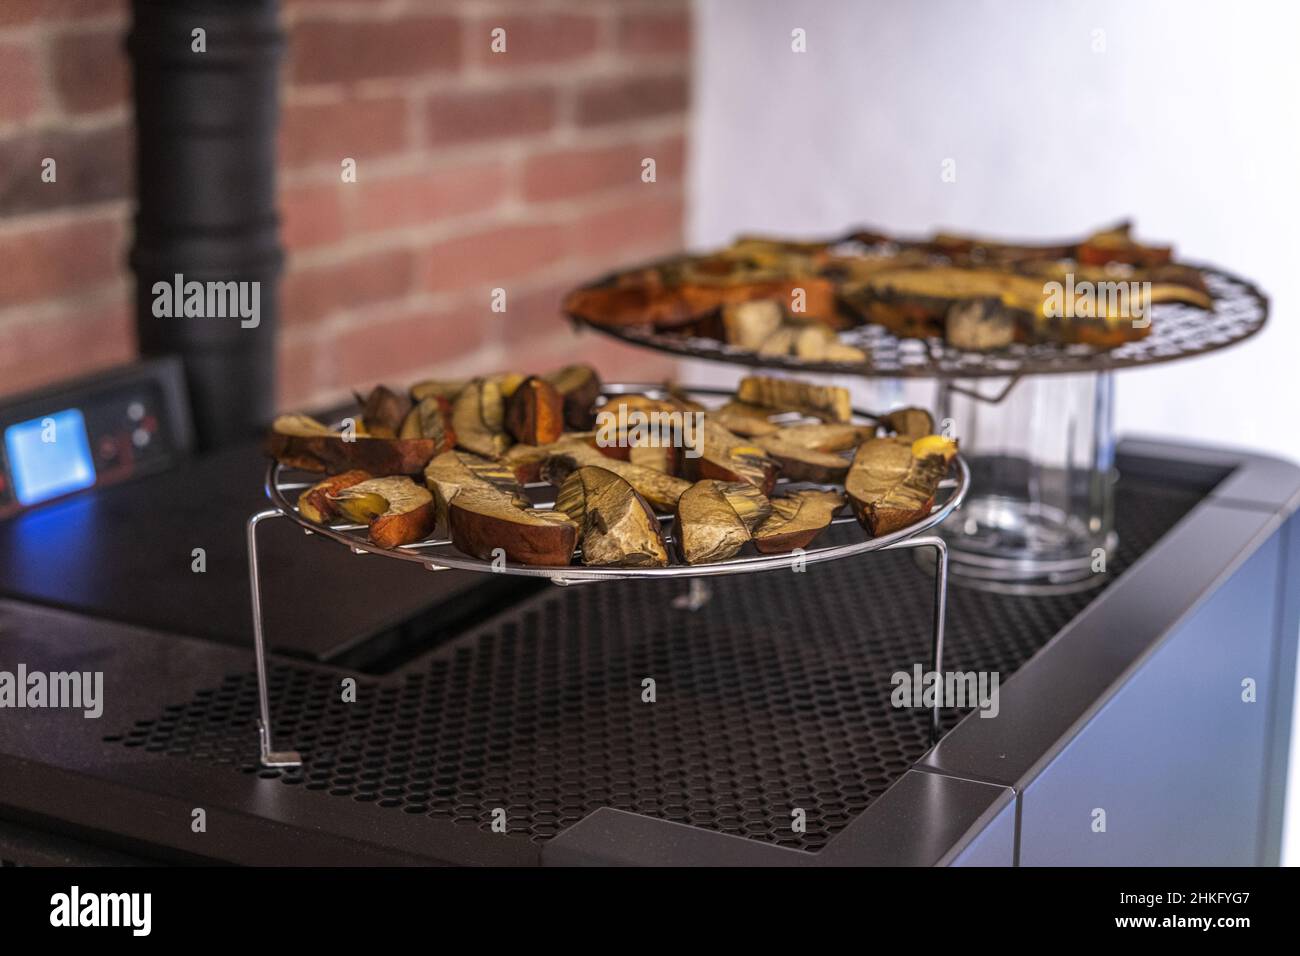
x=49 y=456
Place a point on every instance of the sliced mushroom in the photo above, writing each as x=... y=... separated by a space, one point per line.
x=616 y=526
x=437 y=388
x=580 y=386
x=535 y=412
x=910 y=422
x=431 y=418
x=797 y=518
x=748 y=325
x=478 y=418
x=728 y=457
x=779 y=343
x=799 y=463
x=316 y=504
x=889 y=487
x=383 y=410
x=660 y=490
x=707 y=527
x=828 y=402
x=299 y=441
x=397 y=510
x=487 y=515
x=745 y=419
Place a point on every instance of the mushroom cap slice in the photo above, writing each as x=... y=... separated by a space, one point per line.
x=485 y=510
x=657 y=488
x=299 y=441
x=728 y=457
x=478 y=418
x=397 y=510
x=889 y=487
x=616 y=526
x=707 y=528
x=910 y=422
x=797 y=518
x=828 y=402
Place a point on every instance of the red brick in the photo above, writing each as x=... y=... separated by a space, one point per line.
x=652 y=224
x=302 y=368
x=312 y=215
x=310 y=294
x=496 y=257
x=329 y=132
x=92 y=165
x=44 y=261
x=533 y=40
x=457 y=117
x=20 y=83
x=51 y=11
x=632 y=98
x=334 y=51
x=574 y=172
x=39 y=351
x=655 y=33
x=409 y=338
x=90 y=70
x=427 y=196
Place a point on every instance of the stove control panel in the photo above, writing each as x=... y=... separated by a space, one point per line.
x=100 y=430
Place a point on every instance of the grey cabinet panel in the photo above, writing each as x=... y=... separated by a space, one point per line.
x=1175 y=758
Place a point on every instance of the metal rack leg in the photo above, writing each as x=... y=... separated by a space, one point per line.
x=269 y=756
x=940 y=614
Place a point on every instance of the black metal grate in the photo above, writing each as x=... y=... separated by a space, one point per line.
x=771 y=697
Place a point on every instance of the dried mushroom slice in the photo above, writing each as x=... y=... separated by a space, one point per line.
x=748 y=325
x=316 y=504
x=889 y=487
x=430 y=418
x=657 y=488
x=397 y=510
x=535 y=412
x=299 y=441
x=478 y=418
x=383 y=410
x=910 y=422
x=796 y=520
x=828 y=402
x=751 y=505
x=437 y=388
x=811 y=452
x=579 y=386
x=707 y=528
x=728 y=457
x=616 y=527
x=486 y=512
x=745 y=419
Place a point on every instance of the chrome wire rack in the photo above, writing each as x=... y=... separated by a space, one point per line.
x=437 y=553
x=1177 y=331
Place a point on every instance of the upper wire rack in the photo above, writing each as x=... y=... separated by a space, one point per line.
x=1177 y=331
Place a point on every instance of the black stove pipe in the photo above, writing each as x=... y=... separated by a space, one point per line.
x=206 y=107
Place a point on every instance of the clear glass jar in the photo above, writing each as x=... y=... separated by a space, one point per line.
x=1040 y=513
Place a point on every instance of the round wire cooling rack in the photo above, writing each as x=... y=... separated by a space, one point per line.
x=1177 y=331
x=438 y=552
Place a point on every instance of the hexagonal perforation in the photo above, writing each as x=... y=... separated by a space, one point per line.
x=774 y=695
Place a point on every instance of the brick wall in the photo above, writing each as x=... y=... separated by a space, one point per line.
x=475 y=170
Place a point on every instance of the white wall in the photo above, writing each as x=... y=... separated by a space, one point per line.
x=1189 y=121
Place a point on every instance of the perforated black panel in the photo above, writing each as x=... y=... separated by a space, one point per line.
x=773 y=696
